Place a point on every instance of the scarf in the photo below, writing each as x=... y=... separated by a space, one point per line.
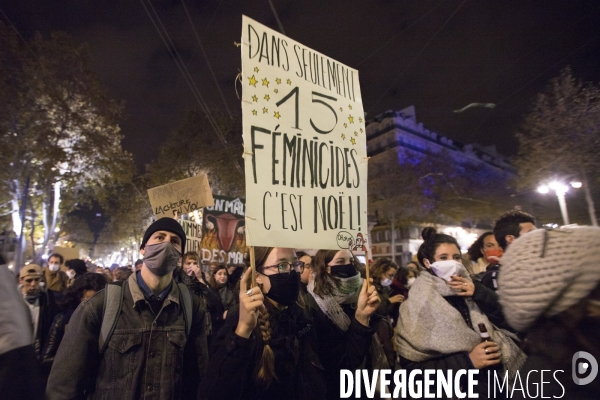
x=346 y=293
x=429 y=327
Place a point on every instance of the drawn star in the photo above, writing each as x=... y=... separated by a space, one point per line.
x=278 y=81
x=255 y=98
x=351 y=119
x=265 y=82
x=350 y=106
x=256 y=69
x=254 y=112
x=276 y=90
x=265 y=110
x=267 y=97
x=352 y=141
x=341 y=109
x=360 y=120
x=345 y=125
x=361 y=131
x=253 y=81
x=343 y=137
x=355 y=133
x=277 y=115
x=289 y=81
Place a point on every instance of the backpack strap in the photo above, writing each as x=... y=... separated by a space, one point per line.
x=113 y=299
x=186 y=299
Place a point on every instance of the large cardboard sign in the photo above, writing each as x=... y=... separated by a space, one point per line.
x=305 y=145
x=224 y=232
x=181 y=197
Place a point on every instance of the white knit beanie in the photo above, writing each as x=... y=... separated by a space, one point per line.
x=545 y=272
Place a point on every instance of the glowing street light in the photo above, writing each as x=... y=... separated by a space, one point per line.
x=560 y=189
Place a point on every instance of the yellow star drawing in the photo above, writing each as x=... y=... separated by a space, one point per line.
x=254 y=112
x=351 y=119
x=350 y=106
x=265 y=82
x=341 y=109
x=253 y=81
x=278 y=81
x=265 y=110
x=267 y=97
x=361 y=131
x=360 y=120
x=343 y=137
x=256 y=69
x=255 y=98
x=352 y=141
x=345 y=125
x=276 y=90
x=289 y=81
x=355 y=133
x=277 y=115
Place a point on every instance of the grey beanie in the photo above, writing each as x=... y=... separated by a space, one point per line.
x=545 y=272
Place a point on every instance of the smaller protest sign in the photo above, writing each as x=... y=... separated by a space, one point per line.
x=224 y=232
x=181 y=197
x=193 y=233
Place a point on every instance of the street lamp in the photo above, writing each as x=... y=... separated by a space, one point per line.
x=560 y=189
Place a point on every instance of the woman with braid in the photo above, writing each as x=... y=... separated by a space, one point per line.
x=265 y=348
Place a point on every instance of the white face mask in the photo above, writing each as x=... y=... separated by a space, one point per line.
x=53 y=267
x=445 y=269
x=71 y=274
x=410 y=281
x=386 y=282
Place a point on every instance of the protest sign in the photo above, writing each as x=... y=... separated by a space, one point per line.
x=181 y=197
x=193 y=234
x=304 y=145
x=223 y=232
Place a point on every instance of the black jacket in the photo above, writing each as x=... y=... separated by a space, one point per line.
x=490 y=277
x=48 y=311
x=235 y=360
x=338 y=349
x=148 y=356
x=57 y=331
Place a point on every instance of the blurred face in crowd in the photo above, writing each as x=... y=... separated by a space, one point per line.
x=342 y=257
x=411 y=274
x=221 y=277
x=526 y=227
x=31 y=285
x=54 y=263
x=444 y=252
x=412 y=264
x=277 y=256
x=305 y=277
x=489 y=244
x=190 y=266
x=389 y=274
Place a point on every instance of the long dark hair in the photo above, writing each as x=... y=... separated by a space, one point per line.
x=474 y=251
x=432 y=240
x=324 y=281
x=212 y=280
x=380 y=267
x=73 y=294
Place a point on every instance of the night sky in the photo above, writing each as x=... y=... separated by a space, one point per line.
x=438 y=55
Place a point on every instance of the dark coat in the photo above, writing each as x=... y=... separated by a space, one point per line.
x=235 y=360
x=338 y=349
x=148 y=355
x=490 y=277
x=48 y=310
x=57 y=331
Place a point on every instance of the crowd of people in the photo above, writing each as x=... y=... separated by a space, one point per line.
x=166 y=328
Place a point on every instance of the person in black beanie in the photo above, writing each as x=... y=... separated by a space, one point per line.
x=153 y=351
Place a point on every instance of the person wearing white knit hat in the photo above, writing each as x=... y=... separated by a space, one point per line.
x=549 y=288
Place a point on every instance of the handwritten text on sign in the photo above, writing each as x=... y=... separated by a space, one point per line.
x=181 y=197
x=305 y=144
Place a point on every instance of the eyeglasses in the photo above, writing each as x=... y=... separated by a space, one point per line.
x=285 y=267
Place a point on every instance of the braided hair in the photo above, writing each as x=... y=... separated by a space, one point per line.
x=266 y=371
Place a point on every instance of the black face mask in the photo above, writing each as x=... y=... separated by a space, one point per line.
x=343 y=271
x=284 y=288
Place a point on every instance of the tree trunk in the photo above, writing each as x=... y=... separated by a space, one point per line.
x=590 y=201
x=21 y=243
